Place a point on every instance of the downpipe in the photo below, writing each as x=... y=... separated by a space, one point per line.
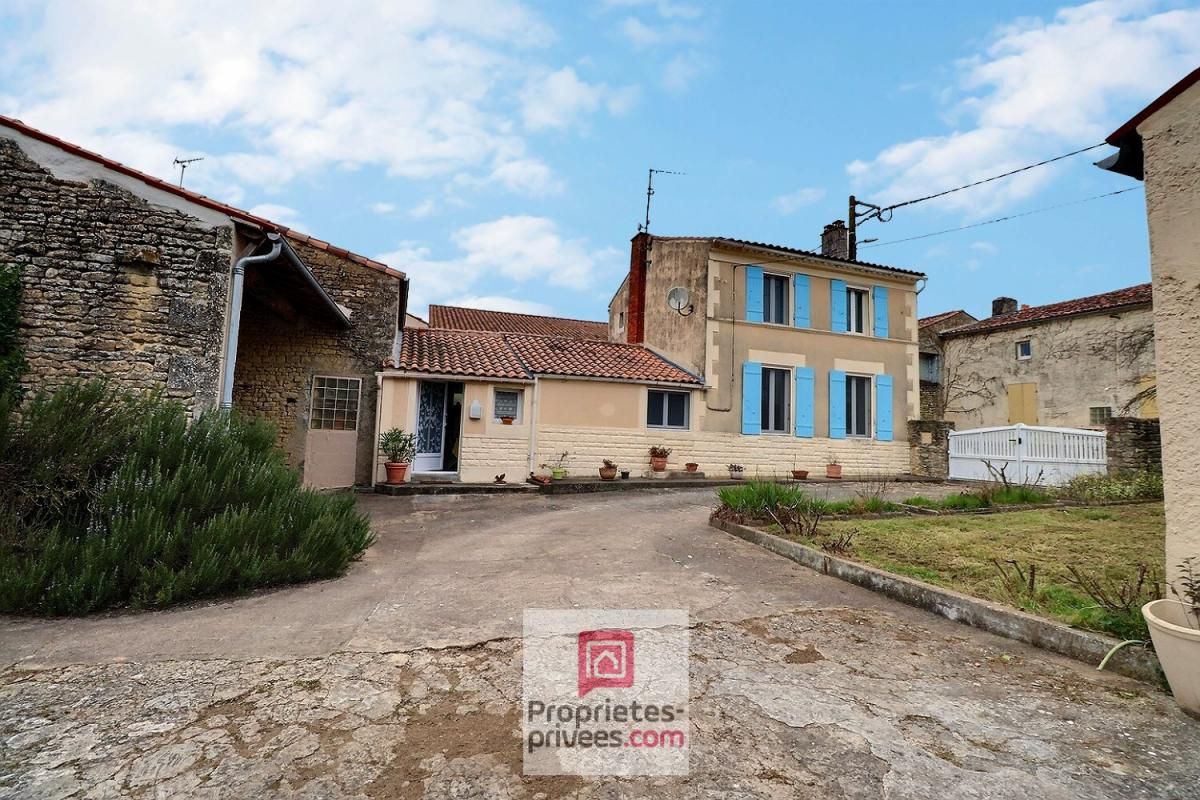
x=235 y=313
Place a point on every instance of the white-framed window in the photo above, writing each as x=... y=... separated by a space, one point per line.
x=508 y=403
x=1024 y=350
x=1100 y=415
x=858 y=309
x=776 y=293
x=335 y=403
x=776 y=399
x=666 y=409
x=858 y=405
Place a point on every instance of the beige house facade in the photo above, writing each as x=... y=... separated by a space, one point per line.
x=1073 y=364
x=1161 y=146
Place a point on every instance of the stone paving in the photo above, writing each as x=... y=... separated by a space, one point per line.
x=853 y=699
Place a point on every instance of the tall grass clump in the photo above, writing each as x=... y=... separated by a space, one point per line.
x=114 y=499
x=757 y=498
x=1139 y=485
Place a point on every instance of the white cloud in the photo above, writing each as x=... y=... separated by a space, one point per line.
x=423 y=209
x=383 y=209
x=681 y=70
x=527 y=176
x=424 y=90
x=984 y=247
x=502 y=303
x=664 y=8
x=792 y=202
x=558 y=99
x=283 y=215
x=1038 y=88
x=515 y=249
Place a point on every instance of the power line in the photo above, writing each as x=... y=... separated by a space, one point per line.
x=1003 y=219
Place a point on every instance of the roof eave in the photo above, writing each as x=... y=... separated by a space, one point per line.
x=955 y=333
x=909 y=276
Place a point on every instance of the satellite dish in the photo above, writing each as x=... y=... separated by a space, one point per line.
x=677 y=299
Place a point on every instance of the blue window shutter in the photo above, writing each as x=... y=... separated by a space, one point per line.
x=754 y=294
x=805 y=378
x=837 y=306
x=837 y=404
x=883 y=408
x=881 y=311
x=801 y=317
x=751 y=397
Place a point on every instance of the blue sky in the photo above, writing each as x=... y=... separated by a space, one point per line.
x=497 y=150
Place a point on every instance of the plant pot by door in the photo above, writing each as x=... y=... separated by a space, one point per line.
x=800 y=474
x=658 y=464
x=833 y=470
x=608 y=473
x=558 y=473
x=737 y=475
x=1177 y=644
x=395 y=471
x=624 y=474
x=691 y=466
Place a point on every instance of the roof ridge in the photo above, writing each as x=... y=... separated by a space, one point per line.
x=521 y=314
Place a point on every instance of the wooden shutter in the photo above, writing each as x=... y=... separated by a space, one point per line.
x=754 y=294
x=751 y=398
x=837 y=404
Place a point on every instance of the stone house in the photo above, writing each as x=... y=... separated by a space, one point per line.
x=726 y=351
x=153 y=286
x=934 y=390
x=1072 y=364
x=1160 y=145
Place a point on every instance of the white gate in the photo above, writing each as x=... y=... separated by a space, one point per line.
x=1027 y=454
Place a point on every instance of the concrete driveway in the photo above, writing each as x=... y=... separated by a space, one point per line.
x=403 y=678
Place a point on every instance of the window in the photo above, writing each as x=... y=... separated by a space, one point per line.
x=775 y=299
x=776 y=401
x=666 y=409
x=930 y=368
x=621 y=320
x=858 y=405
x=335 y=403
x=1024 y=350
x=856 y=310
x=1100 y=415
x=508 y=403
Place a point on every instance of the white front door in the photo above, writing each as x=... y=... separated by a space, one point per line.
x=431 y=426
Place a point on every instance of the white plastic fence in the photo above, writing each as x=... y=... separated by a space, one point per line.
x=1027 y=454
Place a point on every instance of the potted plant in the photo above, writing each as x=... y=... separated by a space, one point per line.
x=799 y=474
x=691 y=466
x=558 y=467
x=737 y=472
x=1175 y=629
x=624 y=474
x=398 y=448
x=833 y=469
x=608 y=472
x=658 y=457
x=507 y=420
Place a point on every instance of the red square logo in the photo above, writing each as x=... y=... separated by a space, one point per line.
x=605 y=660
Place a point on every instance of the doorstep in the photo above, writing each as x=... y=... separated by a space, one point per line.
x=451 y=487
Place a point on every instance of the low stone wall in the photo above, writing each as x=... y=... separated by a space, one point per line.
x=1133 y=444
x=929 y=447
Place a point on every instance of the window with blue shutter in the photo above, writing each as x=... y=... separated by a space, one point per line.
x=754 y=294
x=751 y=397
x=837 y=404
x=837 y=306
x=802 y=303
x=805 y=383
x=883 y=408
x=880 y=294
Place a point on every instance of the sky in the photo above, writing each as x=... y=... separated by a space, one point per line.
x=497 y=150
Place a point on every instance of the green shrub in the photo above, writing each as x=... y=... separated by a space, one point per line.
x=117 y=500
x=1019 y=495
x=12 y=356
x=962 y=502
x=1144 y=485
x=756 y=498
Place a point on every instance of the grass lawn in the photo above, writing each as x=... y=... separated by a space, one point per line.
x=957 y=552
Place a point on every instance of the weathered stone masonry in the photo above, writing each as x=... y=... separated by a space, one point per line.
x=113 y=286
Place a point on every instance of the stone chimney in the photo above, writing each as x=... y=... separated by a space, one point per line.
x=835 y=240
x=635 y=325
x=1003 y=305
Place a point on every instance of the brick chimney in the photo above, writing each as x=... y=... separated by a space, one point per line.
x=835 y=240
x=1003 y=305
x=635 y=327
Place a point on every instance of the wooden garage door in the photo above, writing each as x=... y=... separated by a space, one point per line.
x=332 y=441
x=1022 y=403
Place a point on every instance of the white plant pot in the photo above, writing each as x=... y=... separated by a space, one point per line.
x=1176 y=637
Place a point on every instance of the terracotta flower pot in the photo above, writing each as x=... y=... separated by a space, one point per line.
x=608 y=473
x=506 y=420
x=658 y=464
x=395 y=471
x=800 y=474
x=833 y=470
x=691 y=466
x=1177 y=644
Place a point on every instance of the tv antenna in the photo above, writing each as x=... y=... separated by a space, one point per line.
x=183 y=164
x=645 y=226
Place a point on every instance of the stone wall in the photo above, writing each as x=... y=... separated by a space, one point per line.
x=113 y=285
x=1133 y=444
x=931 y=400
x=929 y=447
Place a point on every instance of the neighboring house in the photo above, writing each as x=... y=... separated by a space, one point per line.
x=935 y=392
x=1072 y=364
x=777 y=358
x=156 y=287
x=1161 y=146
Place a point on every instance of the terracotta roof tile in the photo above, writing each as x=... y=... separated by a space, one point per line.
x=811 y=253
x=196 y=197
x=1132 y=296
x=936 y=318
x=475 y=319
x=488 y=354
